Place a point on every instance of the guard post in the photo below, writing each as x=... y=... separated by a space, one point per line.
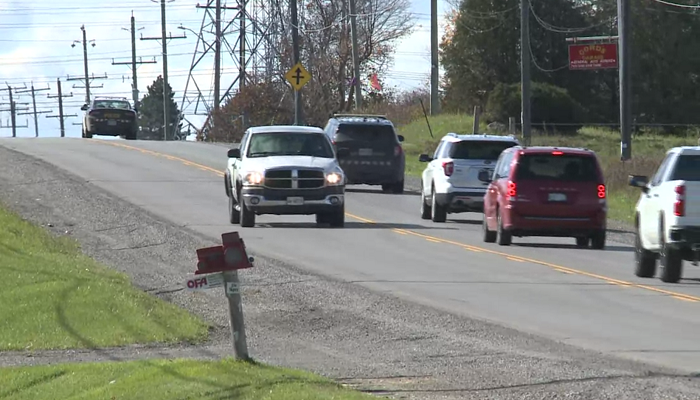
x=218 y=267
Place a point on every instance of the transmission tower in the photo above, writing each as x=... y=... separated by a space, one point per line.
x=249 y=33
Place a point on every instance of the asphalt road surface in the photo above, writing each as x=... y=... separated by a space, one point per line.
x=548 y=287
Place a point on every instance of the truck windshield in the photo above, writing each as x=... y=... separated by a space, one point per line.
x=687 y=168
x=290 y=144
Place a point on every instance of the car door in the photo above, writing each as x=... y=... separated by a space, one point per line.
x=236 y=164
x=650 y=205
x=428 y=172
x=491 y=196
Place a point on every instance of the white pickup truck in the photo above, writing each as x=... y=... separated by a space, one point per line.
x=667 y=215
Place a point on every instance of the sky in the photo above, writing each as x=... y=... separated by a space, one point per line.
x=36 y=41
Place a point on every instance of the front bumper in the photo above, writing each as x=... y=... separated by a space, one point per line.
x=262 y=200
x=462 y=201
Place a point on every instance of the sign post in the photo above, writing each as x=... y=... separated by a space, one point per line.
x=218 y=267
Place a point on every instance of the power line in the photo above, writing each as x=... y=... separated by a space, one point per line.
x=686 y=6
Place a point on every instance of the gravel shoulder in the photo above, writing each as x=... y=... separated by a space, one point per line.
x=368 y=340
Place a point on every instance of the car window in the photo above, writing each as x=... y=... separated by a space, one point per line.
x=687 y=168
x=291 y=144
x=504 y=169
x=566 y=167
x=379 y=134
x=661 y=171
x=478 y=150
x=124 y=105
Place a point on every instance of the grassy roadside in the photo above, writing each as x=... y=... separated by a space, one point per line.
x=168 y=379
x=647 y=151
x=54 y=297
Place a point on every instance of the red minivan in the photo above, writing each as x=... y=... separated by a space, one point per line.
x=546 y=191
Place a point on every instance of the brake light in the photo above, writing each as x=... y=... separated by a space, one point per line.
x=601 y=191
x=93 y=112
x=557 y=153
x=397 y=151
x=448 y=167
x=512 y=190
x=679 y=205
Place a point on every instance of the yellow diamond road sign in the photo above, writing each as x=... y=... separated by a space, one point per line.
x=298 y=76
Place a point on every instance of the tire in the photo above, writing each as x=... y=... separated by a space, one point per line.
x=489 y=236
x=438 y=212
x=425 y=210
x=582 y=242
x=504 y=236
x=337 y=218
x=130 y=136
x=398 y=187
x=671 y=264
x=234 y=215
x=246 y=217
x=88 y=134
x=645 y=260
x=321 y=219
x=598 y=240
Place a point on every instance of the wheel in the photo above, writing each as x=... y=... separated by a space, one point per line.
x=88 y=134
x=398 y=187
x=598 y=240
x=321 y=219
x=234 y=215
x=438 y=212
x=337 y=218
x=246 y=217
x=425 y=209
x=504 y=236
x=489 y=236
x=130 y=136
x=671 y=263
x=645 y=260
x=582 y=242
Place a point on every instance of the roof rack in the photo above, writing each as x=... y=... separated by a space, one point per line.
x=365 y=116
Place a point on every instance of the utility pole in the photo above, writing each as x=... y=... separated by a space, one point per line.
x=13 y=110
x=298 y=117
x=355 y=56
x=434 y=68
x=60 y=116
x=86 y=79
x=35 y=112
x=164 y=41
x=133 y=62
x=217 y=56
x=623 y=33
x=525 y=118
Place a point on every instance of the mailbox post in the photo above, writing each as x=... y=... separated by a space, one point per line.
x=218 y=266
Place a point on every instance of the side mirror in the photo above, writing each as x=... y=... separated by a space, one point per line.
x=639 y=181
x=401 y=138
x=234 y=153
x=485 y=176
x=84 y=107
x=424 y=158
x=342 y=152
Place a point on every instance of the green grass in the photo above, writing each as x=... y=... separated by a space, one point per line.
x=55 y=297
x=162 y=379
x=648 y=150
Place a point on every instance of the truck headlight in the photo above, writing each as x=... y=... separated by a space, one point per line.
x=253 y=178
x=334 y=178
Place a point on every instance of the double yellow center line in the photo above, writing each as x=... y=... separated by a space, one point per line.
x=434 y=239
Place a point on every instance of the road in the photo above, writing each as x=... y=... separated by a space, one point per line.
x=548 y=287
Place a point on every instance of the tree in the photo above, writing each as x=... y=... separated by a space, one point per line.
x=151 y=113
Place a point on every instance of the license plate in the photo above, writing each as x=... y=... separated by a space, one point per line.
x=112 y=123
x=557 y=197
x=365 y=152
x=295 y=201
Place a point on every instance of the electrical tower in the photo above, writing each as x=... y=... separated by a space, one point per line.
x=249 y=33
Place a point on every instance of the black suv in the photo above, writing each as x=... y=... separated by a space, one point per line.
x=110 y=116
x=374 y=152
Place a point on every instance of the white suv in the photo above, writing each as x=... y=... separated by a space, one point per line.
x=450 y=182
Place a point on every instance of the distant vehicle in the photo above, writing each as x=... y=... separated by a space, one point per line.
x=375 y=153
x=546 y=191
x=450 y=182
x=285 y=170
x=667 y=215
x=110 y=116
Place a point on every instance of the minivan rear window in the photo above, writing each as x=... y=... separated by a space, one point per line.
x=687 y=168
x=478 y=150
x=565 y=167
x=383 y=134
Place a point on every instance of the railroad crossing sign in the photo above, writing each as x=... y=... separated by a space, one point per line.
x=298 y=76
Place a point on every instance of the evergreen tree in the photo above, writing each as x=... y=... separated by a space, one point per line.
x=151 y=113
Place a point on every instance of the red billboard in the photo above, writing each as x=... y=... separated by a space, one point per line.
x=592 y=56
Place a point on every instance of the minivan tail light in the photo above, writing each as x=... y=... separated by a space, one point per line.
x=601 y=191
x=397 y=150
x=512 y=190
x=679 y=205
x=448 y=167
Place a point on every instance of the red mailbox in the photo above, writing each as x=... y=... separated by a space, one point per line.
x=235 y=255
x=210 y=259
